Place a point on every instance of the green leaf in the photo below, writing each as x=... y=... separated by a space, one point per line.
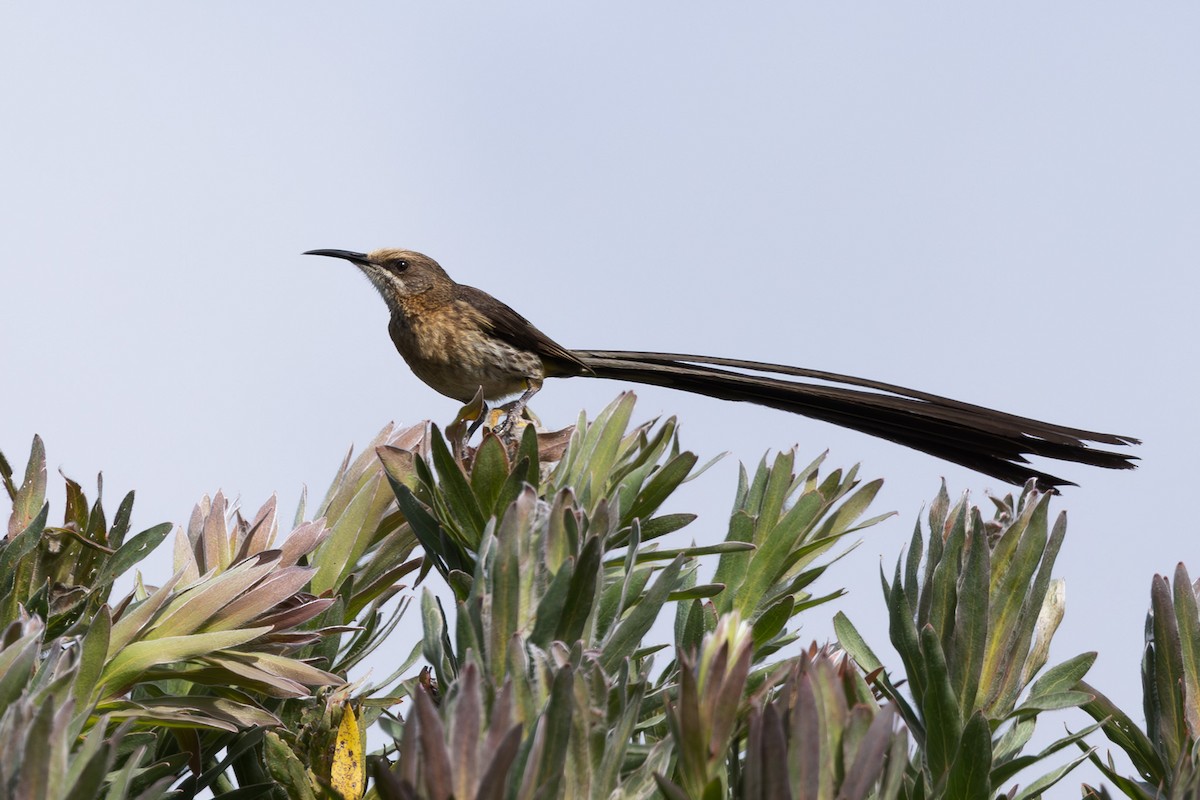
x=1052 y=700
x=1018 y=596
x=732 y=567
x=646 y=556
x=767 y=563
x=1064 y=676
x=662 y=485
x=940 y=598
x=6 y=477
x=853 y=508
x=629 y=632
x=772 y=621
x=776 y=490
x=93 y=651
x=1010 y=745
x=854 y=644
x=581 y=594
x=136 y=658
x=1165 y=715
x=460 y=499
x=969 y=774
x=31 y=495
x=557 y=728
x=90 y=763
x=1037 y=788
x=439 y=551
x=286 y=768
x=37 y=760
x=1002 y=772
x=134 y=620
x=17 y=662
x=660 y=526
x=689 y=626
x=601 y=444
x=904 y=637
x=695 y=592
x=911 y=583
x=15 y=570
x=1188 y=620
x=131 y=552
x=489 y=474
x=503 y=619
x=351 y=532
x=527 y=457
x=120 y=525
x=971 y=620
x=943 y=725
x=1124 y=733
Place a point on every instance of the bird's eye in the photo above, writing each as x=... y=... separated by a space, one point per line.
x=400 y=265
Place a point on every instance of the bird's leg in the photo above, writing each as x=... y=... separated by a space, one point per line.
x=516 y=408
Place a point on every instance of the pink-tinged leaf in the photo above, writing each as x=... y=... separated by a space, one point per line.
x=214 y=544
x=465 y=726
x=136 y=658
x=302 y=541
x=350 y=483
x=262 y=531
x=412 y=438
x=340 y=629
x=188 y=712
x=434 y=758
x=501 y=717
x=725 y=711
x=775 y=758
x=292 y=615
x=185 y=560
x=290 y=668
x=492 y=784
x=282 y=642
x=195 y=527
x=269 y=683
x=194 y=609
x=274 y=589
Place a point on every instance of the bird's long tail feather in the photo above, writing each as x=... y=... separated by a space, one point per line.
x=991 y=442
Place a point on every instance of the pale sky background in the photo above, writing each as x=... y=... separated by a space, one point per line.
x=998 y=204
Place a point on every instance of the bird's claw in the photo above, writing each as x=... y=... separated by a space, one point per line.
x=505 y=430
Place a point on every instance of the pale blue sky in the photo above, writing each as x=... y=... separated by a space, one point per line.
x=1000 y=204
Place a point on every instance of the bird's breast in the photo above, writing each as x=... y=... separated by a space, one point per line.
x=450 y=350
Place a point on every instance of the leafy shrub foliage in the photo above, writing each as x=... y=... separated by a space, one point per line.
x=572 y=647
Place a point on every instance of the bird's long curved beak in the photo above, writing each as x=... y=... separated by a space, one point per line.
x=358 y=258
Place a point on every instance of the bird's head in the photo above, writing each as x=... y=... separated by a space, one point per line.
x=398 y=274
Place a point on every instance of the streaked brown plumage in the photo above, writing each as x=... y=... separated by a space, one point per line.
x=458 y=339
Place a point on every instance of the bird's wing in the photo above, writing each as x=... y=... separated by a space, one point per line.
x=513 y=328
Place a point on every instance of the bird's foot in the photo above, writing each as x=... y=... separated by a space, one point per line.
x=516 y=418
x=509 y=426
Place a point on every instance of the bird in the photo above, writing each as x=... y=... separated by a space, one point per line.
x=461 y=342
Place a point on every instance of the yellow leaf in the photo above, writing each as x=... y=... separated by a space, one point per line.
x=347 y=773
